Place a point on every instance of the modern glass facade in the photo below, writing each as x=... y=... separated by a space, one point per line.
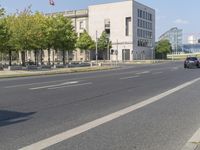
x=191 y=48
x=174 y=36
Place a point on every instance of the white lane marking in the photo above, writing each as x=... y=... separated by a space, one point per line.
x=59 y=87
x=36 y=83
x=55 y=85
x=93 y=124
x=174 y=68
x=157 y=73
x=193 y=142
x=145 y=72
x=131 y=77
x=98 y=76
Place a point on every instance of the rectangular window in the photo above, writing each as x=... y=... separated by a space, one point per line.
x=81 y=25
x=138 y=11
x=150 y=17
x=107 y=26
x=143 y=15
x=128 y=28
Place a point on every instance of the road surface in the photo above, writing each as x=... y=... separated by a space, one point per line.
x=145 y=107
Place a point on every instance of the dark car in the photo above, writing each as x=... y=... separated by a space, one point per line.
x=191 y=62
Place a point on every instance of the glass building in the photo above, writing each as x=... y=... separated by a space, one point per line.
x=174 y=35
x=191 y=48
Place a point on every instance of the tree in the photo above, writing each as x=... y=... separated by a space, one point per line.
x=50 y=33
x=6 y=35
x=2 y=12
x=64 y=37
x=21 y=28
x=85 y=42
x=163 y=47
x=104 y=44
x=38 y=35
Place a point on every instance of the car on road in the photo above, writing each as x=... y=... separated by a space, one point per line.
x=191 y=62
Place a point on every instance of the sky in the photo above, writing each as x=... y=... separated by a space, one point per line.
x=183 y=14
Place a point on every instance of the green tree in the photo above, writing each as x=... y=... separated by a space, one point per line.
x=38 y=35
x=49 y=34
x=85 y=43
x=6 y=45
x=2 y=12
x=65 y=36
x=21 y=28
x=103 y=44
x=162 y=48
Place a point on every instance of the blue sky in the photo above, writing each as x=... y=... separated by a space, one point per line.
x=169 y=13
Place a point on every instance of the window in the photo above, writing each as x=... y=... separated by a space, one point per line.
x=81 y=25
x=107 y=26
x=150 y=17
x=128 y=26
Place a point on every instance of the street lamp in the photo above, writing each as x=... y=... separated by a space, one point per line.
x=96 y=47
x=153 y=53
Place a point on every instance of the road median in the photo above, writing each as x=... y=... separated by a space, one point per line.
x=13 y=74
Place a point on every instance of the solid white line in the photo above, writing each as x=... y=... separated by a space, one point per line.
x=90 y=125
x=156 y=73
x=145 y=72
x=193 y=142
x=36 y=83
x=55 y=85
x=69 y=86
x=124 y=78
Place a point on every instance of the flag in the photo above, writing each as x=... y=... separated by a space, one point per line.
x=51 y=2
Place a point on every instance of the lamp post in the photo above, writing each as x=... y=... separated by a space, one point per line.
x=108 y=47
x=96 y=48
x=124 y=52
x=152 y=50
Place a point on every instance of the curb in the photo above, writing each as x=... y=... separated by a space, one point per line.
x=55 y=72
x=194 y=142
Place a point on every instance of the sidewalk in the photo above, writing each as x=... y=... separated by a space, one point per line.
x=20 y=73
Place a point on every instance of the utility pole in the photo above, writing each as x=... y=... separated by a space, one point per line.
x=117 y=54
x=96 y=48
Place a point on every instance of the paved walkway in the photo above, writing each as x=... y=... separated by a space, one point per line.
x=7 y=73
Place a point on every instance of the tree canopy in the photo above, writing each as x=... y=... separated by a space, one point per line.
x=27 y=31
x=163 y=47
x=85 y=42
x=103 y=42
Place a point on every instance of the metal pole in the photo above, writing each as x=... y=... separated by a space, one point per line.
x=108 y=49
x=124 y=52
x=117 y=54
x=96 y=48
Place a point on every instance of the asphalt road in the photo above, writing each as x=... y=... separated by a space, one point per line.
x=36 y=108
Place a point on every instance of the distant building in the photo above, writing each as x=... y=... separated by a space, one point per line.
x=191 y=48
x=129 y=26
x=192 y=39
x=174 y=35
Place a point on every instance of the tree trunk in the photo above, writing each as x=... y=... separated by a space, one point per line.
x=35 y=55
x=89 y=55
x=67 y=56
x=49 y=63
x=10 y=58
x=53 y=57
x=63 y=57
x=23 y=58
x=41 y=57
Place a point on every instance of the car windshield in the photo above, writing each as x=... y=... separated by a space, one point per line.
x=192 y=58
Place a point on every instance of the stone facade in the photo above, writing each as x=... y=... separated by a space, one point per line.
x=129 y=26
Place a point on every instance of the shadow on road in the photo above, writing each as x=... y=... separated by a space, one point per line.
x=12 y=117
